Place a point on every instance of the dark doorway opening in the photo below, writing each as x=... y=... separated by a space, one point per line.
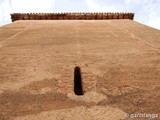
x=78 y=87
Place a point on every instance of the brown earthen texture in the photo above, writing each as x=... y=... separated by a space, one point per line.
x=70 y=16
x=119 y=61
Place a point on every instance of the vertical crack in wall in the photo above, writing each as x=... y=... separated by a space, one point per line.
x=77 y=40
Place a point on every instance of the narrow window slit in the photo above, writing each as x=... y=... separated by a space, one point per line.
x=78 y=87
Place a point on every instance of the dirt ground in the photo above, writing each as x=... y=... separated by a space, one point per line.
x=119 y=60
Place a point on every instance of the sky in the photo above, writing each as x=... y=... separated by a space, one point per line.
x=146 y=11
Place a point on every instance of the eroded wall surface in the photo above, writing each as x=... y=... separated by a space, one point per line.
x=119 y=60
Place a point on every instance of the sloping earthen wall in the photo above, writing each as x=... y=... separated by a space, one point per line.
x=70 y=16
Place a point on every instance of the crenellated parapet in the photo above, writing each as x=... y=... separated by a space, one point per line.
x=71 y=16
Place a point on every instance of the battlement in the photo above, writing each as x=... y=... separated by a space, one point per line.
x=71 y=16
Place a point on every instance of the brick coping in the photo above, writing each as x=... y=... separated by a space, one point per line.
x=70 y=16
